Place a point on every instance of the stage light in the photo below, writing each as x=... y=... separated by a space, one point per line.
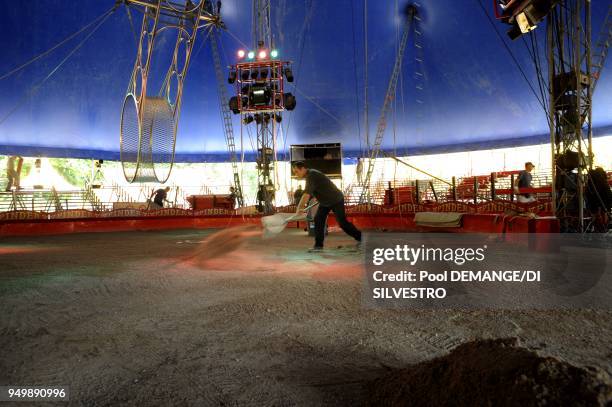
x=289 y=74
x=259 y=96
x=277 y=101
x=274 y=53
x=245 y=74
x=248 y=119
x=266 y=117
x=257 y=118
x=263 y=74
x=254 y=73
x=289 y=101
x=233 y=105
x=232 y=77
x=278 y=118
x=524 y=16
x=251 y=55
x=241 y=53
x=262 y=54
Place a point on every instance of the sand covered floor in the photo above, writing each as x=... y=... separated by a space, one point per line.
x=136 y=319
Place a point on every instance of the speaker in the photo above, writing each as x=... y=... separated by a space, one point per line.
x=326 y=158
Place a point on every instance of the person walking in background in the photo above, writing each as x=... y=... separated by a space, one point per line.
x=14 y=173
x=524 y=181
x=233 y=196
x=160 y=197
x=359 y=170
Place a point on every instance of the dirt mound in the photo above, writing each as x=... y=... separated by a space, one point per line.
x=491 y=372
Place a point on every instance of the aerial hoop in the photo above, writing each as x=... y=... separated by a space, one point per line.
x=149 y=118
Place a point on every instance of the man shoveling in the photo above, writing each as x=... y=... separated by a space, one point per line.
x=330 y=198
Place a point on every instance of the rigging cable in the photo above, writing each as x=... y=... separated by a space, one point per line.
x=34 y=89
x=355 y=75
x=311 y=100
x=365 y=67
x=397 y=30
x=302 y=42
x=59 y=44
x=129 y=14
x=237 y=39
x=534 y=53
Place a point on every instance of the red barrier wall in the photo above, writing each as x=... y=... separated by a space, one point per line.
x=471 y=223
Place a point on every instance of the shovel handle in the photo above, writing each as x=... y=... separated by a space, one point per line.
x=289 y=219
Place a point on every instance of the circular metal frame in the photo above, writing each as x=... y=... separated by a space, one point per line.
x=130 y=159
x=149 y=124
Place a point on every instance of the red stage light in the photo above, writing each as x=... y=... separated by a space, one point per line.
x=262 y=54
x=241 y=53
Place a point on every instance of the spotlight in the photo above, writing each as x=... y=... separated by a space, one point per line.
x=251 y=55
x=241 y=53
x=277 y=101
x=254 y=73
x=232 y=77
x=248 y=119
x=266 y=117
x=262 y=54
x=524 y=16
x=289 y=75
x=257 y=118
x=259 y=96
x=273 y=53
x=245 y=74
x=263 y=74
x=278 y=118
x=233 y=105
x=289 y=101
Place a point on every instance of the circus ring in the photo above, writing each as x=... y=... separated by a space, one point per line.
x=268 y=324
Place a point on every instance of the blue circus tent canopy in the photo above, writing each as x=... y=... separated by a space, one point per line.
x=473 y=95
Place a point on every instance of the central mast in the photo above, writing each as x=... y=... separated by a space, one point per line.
x=266 y=130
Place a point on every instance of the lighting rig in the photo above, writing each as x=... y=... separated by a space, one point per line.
x=574 y=66
x=259 y=77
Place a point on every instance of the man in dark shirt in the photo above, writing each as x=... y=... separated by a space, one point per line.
x=330 y=199
x=524 y=181
x=160 y=196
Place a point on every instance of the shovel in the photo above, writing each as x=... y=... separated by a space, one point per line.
x=274 y=224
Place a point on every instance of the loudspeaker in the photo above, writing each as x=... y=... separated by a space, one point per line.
x=326 y=158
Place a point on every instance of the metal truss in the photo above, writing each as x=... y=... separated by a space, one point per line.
x=570 y=109
x=149 y=120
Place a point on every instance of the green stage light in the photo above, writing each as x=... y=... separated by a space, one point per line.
x=251 y=55
x=274 y=53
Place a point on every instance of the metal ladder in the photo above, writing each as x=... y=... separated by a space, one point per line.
x=226 y=115
x=389 y=96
